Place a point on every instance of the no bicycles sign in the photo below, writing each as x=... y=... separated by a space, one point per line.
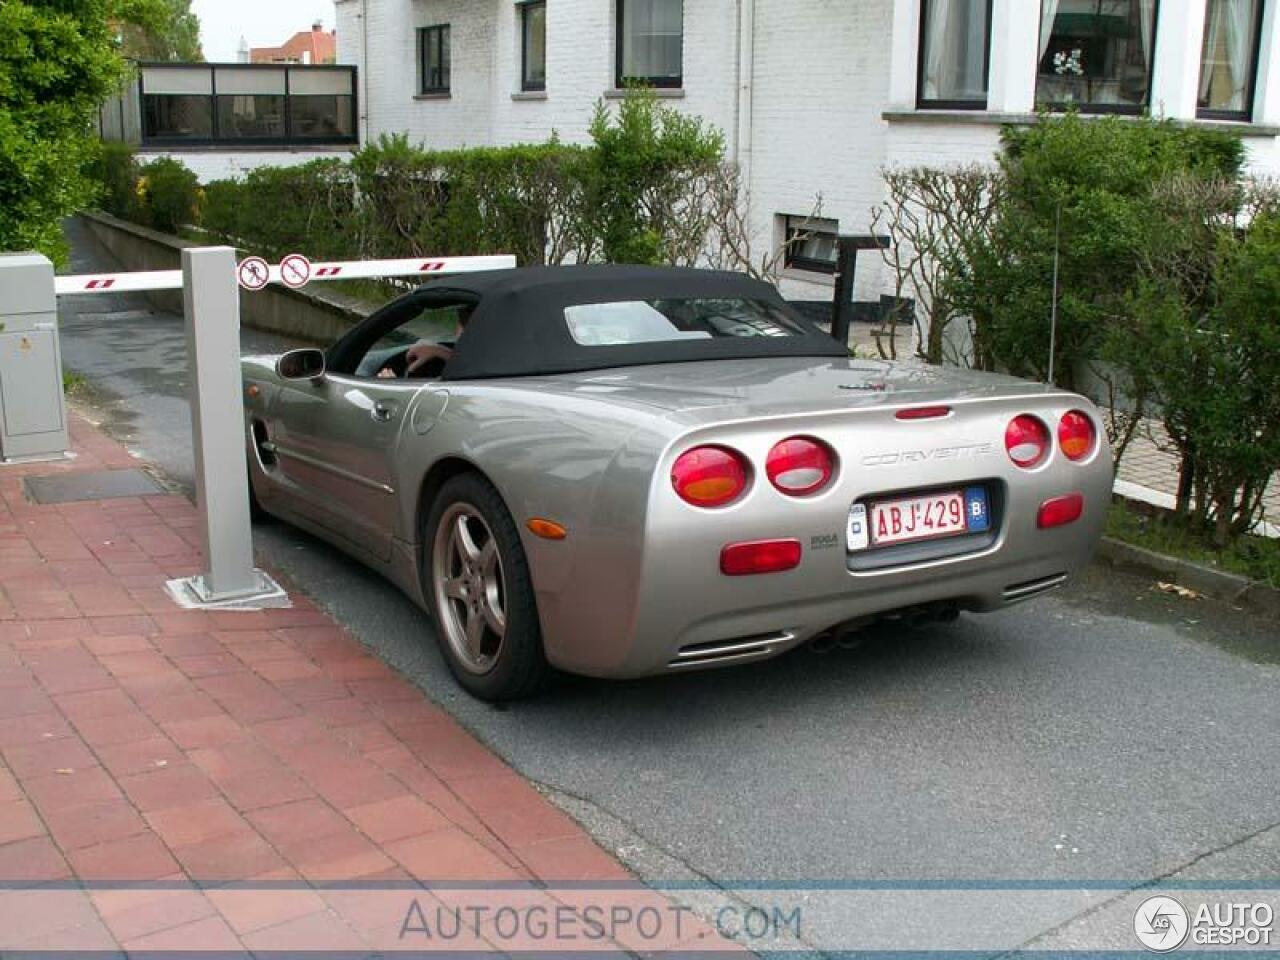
x=295 y=270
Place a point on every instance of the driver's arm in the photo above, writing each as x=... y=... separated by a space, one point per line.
x=423 y=352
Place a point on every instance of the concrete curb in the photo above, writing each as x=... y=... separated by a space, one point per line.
x=1219 y=584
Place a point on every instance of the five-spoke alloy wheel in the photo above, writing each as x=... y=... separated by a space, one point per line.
x=476 y=580
x=470 y=592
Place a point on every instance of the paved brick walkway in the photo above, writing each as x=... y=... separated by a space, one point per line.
x=145 y=743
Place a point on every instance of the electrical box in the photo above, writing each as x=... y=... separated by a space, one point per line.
x=33 y=416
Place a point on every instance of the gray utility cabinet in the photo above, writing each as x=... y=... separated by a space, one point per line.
x=33 y=416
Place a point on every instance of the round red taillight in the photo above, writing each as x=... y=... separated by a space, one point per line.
x=1027 y=440
x=1076 y=435
x=799 y=466
x=709 y=476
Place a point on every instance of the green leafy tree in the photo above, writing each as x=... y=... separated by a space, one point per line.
x=58 y=61
x=159 y=30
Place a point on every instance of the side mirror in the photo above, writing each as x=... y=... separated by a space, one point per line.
x=304 y=364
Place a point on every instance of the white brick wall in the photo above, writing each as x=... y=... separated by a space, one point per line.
x=224 y=165
x=822 y=75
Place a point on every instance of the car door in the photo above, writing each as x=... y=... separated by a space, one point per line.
x=335 y=439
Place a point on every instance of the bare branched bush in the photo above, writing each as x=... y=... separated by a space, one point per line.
x=728 y=240
x=935 y=220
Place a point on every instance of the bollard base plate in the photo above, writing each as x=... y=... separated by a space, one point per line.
x=194 y=594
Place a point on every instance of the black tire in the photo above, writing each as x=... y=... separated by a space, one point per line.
x=257 y=514
x=518 y=666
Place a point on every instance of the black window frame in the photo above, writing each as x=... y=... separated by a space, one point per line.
x=442 y=35
x=790 y=260
x=216 y=137
x=923 y=103
x=1102 y=109
x=620 y=78
x=1245 y=115
x=527 y=85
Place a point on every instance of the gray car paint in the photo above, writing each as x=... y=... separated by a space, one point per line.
x=638 y=576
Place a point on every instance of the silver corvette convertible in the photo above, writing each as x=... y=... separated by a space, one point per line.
x=624 y=471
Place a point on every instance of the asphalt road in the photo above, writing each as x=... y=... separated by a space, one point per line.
x=1106 y=733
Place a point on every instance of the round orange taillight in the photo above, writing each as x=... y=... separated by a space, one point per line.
x=1076 y=435
x=710 y=476
x=799 y=466
x=1027 y=441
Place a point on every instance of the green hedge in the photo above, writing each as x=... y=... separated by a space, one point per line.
x=637 y=193
x=1082 y=185
x=116 y=173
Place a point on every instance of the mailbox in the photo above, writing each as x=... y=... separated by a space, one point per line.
x=33 y=417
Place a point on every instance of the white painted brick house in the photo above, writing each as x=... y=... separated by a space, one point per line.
x=815 y=96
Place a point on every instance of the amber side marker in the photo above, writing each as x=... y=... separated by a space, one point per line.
x=546 y=529
x=252 y=390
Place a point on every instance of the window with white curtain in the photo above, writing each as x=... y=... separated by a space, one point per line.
x=1096 y=55
x=1229 y=61
x=955 y=43
x=650 y=42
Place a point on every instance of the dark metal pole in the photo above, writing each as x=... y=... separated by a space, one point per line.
x=847 y=248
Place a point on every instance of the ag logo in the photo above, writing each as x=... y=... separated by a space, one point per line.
x=1161 y=924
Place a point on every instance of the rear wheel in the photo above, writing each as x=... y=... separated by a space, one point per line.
x=256 y=512
x=476 y=579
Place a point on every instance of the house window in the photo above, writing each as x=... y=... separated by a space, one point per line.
x=810 y=243
x=247 y=103
x=533 y=45
x=1097 y=55
x=250 y=103
x=433 y=56
x=955 y=46
x=650 y=42
x=1229 y=61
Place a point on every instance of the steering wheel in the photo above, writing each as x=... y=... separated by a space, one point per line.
x=430 y=370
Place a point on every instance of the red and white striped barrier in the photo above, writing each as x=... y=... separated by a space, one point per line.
x=299 y=273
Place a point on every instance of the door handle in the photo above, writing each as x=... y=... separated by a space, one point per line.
x=382 y=411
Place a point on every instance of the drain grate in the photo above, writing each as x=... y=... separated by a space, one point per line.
x=95 y=485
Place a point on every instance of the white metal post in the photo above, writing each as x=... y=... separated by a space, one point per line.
x=211 y=299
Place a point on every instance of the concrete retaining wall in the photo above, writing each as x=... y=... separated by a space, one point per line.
x=316 y=316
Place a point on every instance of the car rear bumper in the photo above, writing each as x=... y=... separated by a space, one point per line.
x=655 y=600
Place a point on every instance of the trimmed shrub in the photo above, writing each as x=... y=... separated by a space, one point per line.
x=524 y=199
x=115 y=171
x=647 y=166
x=169 y=194
x=278 y=210
x=1083 y=186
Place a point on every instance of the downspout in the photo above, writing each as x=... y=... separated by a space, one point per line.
x=743 y=96
x=364 y=66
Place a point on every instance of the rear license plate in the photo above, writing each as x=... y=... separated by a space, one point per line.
x=931 y=516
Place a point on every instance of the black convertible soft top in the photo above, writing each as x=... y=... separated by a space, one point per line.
x=519 y=327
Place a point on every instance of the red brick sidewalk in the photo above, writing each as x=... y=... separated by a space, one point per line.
x=142 y=742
